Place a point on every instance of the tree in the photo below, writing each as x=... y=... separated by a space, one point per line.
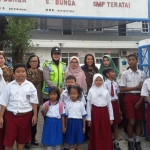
x=17 y=38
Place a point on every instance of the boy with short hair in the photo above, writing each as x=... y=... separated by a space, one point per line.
x=113 y=89
x=131 y=83
x=18 y=100
x=64 y=97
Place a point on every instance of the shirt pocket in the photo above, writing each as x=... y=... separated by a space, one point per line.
x=129 y=78
x=14 y=95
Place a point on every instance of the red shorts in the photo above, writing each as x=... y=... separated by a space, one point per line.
x=131 y=113
x=2 y=139
x=117 y=117
x=17 y=128
x=148 y=119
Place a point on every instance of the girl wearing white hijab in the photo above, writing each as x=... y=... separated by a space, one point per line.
x=99 y=115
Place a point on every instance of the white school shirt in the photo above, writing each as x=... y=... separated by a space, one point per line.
x=64 y=97
x=53 y=111
x=19 y=98
x=146 y=88
x=130 y=78
x=75 y=110
x=102 y=103
x=115 y=87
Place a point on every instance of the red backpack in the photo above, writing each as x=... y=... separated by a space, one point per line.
x=60 y=106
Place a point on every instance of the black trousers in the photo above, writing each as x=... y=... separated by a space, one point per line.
x=34 y=128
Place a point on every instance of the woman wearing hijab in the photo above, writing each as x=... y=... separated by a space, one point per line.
x=75 y=70
x=53 y=73
x=99 y=115
x=108 y=62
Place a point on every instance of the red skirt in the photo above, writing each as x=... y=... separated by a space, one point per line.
x=100 y=132
x=2 y=147
x=148 y=120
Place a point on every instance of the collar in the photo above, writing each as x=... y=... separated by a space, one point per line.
x=76 y=101
x=65 y=91
x=137 y=71
x=110 y=81
x=49 y=103
x=25 y=82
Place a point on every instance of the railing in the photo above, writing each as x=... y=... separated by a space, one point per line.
x=104 y=31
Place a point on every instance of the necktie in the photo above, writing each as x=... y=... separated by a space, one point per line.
x=112 y=89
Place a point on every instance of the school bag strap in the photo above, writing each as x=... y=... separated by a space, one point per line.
x=60 y=107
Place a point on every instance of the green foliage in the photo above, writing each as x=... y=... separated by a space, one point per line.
x=17 y=37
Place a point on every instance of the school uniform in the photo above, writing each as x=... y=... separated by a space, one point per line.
x=18 y=100
x=52 y=130
x=130 y=78
x=99 y=112
x=75 y=111
x=146 y=92
x=64 y=97
x=113 y=90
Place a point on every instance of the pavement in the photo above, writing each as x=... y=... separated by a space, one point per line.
x=145 y=143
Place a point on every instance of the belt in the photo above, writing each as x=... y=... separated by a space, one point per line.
x=135 y=94
x=19 y=114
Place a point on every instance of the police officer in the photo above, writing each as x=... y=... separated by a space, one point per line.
x=53 y=73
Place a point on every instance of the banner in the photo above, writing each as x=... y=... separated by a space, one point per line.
x=76 y=8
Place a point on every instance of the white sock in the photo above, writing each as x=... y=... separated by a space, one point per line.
x=58 y=147
x=130 y=139
x=49 y=148
x=66 y=145
x=137 y=139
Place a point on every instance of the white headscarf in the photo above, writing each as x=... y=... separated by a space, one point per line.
x=98 y=96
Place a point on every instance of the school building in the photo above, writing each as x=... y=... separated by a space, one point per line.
x=117 y=40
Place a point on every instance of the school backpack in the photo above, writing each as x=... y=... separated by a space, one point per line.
x=60 y=106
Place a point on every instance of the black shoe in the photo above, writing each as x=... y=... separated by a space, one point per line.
x=27 y=146
x=116 y=146
x=138 y=146
x=65 y=149
x=130 y=145
x=35 y=143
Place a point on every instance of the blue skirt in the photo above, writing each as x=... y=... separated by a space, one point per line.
x=74 y=133
x=52 y=132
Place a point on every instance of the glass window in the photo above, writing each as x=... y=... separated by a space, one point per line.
x=64 y=55
x=98 y=61
x=65 y=60
x=98 y=54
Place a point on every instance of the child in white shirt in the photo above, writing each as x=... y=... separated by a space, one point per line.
x=19 y=103
x=75 y=111
x=99 y=115
x=54 y=124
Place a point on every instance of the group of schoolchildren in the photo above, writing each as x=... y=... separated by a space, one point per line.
x=66 y=113
x=102 y=111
